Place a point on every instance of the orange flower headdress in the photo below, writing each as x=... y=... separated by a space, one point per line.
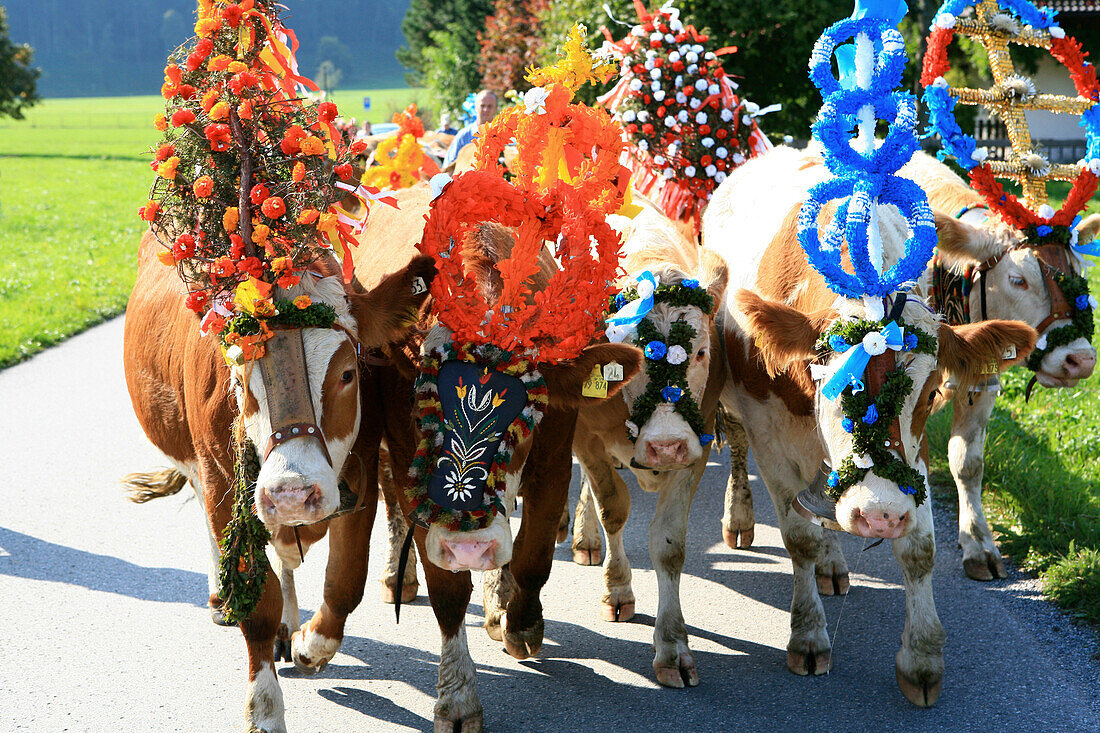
x=248 y=172
x=399 y=160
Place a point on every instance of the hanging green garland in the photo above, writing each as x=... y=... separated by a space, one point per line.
x=1076 y=290
x=243 y=567
x=868 y=417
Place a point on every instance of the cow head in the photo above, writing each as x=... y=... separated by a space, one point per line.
x=489 y=547
x=301 y=408
x=876 y=505
x=677 y=337
x=1017 y=282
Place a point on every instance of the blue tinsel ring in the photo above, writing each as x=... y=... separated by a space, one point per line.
x=888 y=69
x=832 y=129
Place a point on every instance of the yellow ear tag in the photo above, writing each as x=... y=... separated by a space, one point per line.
x=595 y=385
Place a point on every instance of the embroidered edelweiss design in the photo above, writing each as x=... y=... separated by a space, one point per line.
x=472 y=434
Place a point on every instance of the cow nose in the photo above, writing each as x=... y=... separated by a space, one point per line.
x=1079 y=364
x=880 y=524
x=466 y=555
x=290 y=496
x=665 y=452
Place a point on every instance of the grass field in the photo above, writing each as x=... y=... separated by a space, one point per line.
x=72 y=176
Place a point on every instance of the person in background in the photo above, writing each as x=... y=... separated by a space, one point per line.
x=486 y=111
x=445 y=124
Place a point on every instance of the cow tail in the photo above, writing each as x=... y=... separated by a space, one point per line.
x=141 y=487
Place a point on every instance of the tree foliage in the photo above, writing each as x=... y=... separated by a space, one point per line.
x=432 y=25
x=510 y=43
x=17 y=76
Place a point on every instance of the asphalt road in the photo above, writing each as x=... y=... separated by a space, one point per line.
x=105 y=626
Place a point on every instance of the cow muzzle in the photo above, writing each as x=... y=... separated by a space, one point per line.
x=290 y=500
x=482 y=549
x=878 y=511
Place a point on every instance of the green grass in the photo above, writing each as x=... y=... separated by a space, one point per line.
x=72 y=176
x=1042 y=482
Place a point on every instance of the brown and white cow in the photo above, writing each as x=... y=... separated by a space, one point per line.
x=1014 y=288
x=667 y=457
x=776 y=308
x=540 y=472
x=187 y=399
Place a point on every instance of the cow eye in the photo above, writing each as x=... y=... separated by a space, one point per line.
x=1017 y=282
x=699 y=355
x=347 y=376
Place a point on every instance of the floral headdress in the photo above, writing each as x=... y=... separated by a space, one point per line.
x=565 y=179
x=248 y=175
x=995 y=25
x=399 y=160
x=687 y=127
x=666 y=358
x=864 y=175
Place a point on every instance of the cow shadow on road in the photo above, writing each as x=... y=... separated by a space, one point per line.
x=32 y=558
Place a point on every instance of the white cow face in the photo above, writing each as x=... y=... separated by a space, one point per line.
x=666 y=441
x=876 y=506
x=1016 y=289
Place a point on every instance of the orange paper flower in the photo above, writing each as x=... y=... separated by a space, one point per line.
x=312 y=145
x=302 y=302
x=273 y=207
x=260 y=233
x=167 y=169
x=230 y=218
x=160 y=122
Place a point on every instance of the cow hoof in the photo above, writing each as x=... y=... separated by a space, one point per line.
x=563 y=535
x=923 y=694
x=282 y=645
x=522 y=644
x=408 y=593
x=593 y=556
x=470 y=724
x=618 y=611
x=738 y=538
x=312 y=651
x=986 y=567
x=810 y=662
x=833 y=585
x=677 y=675
x=494 y=627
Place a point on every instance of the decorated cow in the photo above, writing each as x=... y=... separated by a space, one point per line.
x=834 y=392
x=247 y=377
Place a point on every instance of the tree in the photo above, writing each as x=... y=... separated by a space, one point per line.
x=328 y=76
x=460 y=21
x=330 y=49
x=450 y=69
x=510 y=43
x=17 y=77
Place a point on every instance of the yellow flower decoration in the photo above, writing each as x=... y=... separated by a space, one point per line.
x=577 y=67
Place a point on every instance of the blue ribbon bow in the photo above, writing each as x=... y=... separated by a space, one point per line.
x=632 y=313
x=851 y=371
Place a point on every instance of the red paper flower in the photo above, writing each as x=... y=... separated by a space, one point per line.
x=345 y=170
x=182 y=117
x=251 y=266
x=219 y=135
x=196 y=300
x=258 y=193
x=273 y=207
x=203 y=186
x=184 y=247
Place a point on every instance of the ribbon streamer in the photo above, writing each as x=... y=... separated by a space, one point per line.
x=851 y=371
x=622 y=323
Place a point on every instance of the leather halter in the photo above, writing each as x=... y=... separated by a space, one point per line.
x=286 y=385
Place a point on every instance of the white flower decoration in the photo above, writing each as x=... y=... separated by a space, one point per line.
x=738 y=159
x=726 y=115
x=710 y=171
x=1094 y=166
x=659 y=159
x=643 y=145
x=1046 y=211
x=695 y=103
x=656 y=36
x=945 y=20
x=655 y=74
x=676 y=26
x=668 y=173
x=707 y=142
x=722 y=153
x=713 y=89
x=692 y=69
x=674 y=56
x=682 y=115
x=629 y=116
x=1056 y=31
x=940 y=83
x=690 y=171
x=659 y=95
x=692 y=57
x=643 y=116
x=980 y=154
x=720 y=176
x=535 y=100
x=670 y=121
x=701 y=84
x=681 y=98
x=863 y=461
x=635 y=85
x=701 y=118
x=874 y=343
x=676 y=355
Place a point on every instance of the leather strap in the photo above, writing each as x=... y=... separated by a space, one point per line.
x=875 y=376
x=286 y=384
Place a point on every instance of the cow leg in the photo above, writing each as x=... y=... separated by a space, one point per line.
x=214 y=599
x=497 y=589
x=673 y=663
x=587 y=546
x=563 y=526
x=396 y=528
x=317 y=641
x=965 y=453
x=919 y=663
x=546 y=476
x=612 y=498
x=738 y=520
x=457 y=707
x=831 y=569
x=284 y=568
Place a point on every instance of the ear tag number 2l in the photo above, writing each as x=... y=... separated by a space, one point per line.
x=595 y=385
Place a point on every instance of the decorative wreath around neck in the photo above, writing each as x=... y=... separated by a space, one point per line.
x=666 y=359
x=868 y=417
x=1075 y=288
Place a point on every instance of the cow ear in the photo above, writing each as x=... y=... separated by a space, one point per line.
x=971 y=351
x=783 y=335
x=962 y=244
x=714 y=274
x=387 y=311
x=564 y=380
x=1088 y=229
